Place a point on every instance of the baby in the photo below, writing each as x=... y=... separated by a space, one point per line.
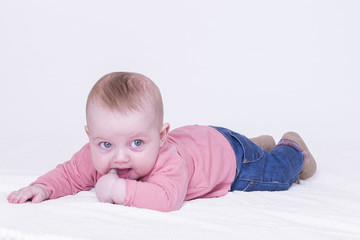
x=133 y=159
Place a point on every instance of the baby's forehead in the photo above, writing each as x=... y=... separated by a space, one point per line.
x=99 y=109
x=102 y=119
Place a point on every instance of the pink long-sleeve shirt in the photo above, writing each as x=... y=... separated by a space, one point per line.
x=195 y=162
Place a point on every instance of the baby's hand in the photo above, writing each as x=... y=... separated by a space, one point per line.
x=104 y=186
x=37 y=193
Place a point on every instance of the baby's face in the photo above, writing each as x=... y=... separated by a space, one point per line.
x=128 y=142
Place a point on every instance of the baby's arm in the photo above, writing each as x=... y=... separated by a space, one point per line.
x=165 y=195
x=77 y=174
x=36 y=193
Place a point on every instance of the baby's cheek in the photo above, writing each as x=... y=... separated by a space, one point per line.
x=100 y=165
x=146 y=167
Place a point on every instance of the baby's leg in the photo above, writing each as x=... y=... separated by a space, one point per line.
x=309 y=167
x=266 y=142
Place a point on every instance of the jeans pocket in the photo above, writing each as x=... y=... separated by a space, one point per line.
x=251 y=151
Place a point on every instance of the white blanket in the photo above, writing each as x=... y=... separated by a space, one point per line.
x=324 y=207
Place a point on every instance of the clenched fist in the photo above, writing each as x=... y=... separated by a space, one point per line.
x=110 y=188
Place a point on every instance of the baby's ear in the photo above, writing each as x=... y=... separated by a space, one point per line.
x=164 y=133
x=87 y=130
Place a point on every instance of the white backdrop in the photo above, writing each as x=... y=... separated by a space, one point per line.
x=254 y=66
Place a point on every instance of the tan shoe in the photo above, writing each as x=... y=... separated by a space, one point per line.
x=309 y=167
x=266 y=142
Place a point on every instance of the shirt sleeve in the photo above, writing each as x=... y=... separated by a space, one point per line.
x=165 y=188
x=77 y=174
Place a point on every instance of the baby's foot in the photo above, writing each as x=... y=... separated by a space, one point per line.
x=266 y=142
x=309 y=167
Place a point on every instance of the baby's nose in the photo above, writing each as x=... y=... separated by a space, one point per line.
x=121 y=157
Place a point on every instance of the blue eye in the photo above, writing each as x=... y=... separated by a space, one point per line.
x=136 y=143
x=105 y=145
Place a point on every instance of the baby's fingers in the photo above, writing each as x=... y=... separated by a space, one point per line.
x=11 y=197
x=24 y=196
x=37 y=193
x=20 y=196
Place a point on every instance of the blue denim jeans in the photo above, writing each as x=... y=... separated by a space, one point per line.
x=259 y=170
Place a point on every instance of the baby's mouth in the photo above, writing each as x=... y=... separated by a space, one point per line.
x=124 y=173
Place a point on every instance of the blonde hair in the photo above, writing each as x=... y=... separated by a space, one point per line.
x=126 y=91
